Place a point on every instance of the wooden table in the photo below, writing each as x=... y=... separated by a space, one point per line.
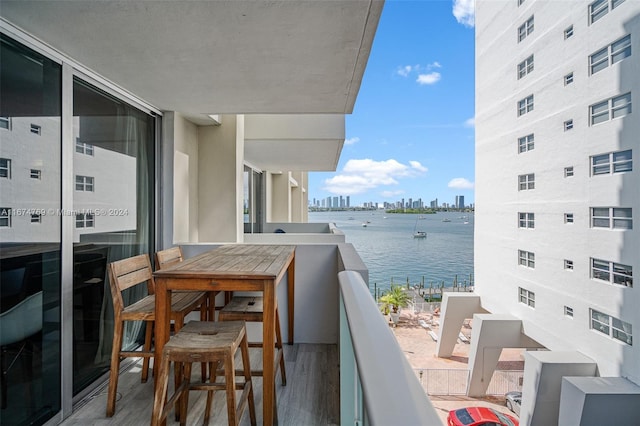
x=233 y=268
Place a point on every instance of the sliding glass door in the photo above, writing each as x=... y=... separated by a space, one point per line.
x=60 y=228
x=113 y=210
x=30 y=234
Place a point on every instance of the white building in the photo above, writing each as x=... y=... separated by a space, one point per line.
x=557 y=194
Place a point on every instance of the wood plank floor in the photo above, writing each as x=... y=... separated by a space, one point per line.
x=311 y=396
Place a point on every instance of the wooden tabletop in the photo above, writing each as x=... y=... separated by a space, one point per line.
x=234 y=261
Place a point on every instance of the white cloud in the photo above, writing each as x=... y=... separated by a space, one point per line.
x=471 y=122
x=464 y=11
x=351 y=141
x=416 y=165
x=460 y=183
x=405 y=70
x=433 y=65
x=430 y=78
x=359 y=176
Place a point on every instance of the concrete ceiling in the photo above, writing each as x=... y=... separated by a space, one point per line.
x=210 y=57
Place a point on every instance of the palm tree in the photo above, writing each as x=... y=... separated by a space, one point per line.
x=396 y=298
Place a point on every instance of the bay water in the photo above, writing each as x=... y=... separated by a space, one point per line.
x=391 y=253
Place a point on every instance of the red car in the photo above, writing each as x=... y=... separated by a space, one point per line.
x=479 y=416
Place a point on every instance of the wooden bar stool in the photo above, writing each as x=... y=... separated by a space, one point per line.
x=209 y=342
x=250 y=309
x=124 y=274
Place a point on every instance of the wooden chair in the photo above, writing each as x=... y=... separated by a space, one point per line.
x=124 y=274
x=209 y=342
x=173 y=255
x=250 y=309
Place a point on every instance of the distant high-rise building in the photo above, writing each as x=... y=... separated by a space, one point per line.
x=434 y=204
x=459 y=201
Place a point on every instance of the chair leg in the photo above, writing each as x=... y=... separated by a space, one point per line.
x=148 y=335
x=183 y=401
x=115 y=367
x=177 y=366
x=280 y=350
x=246 y=365
x=230 y=381
x=158 y=414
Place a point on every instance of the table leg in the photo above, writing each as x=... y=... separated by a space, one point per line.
x=268 y=352
x=163 y=308
x=291 y=272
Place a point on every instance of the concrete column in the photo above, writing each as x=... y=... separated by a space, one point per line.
x=595 y=401
x=491 y=333
x=220 y=184
x=280 y=198
x=455 y=308
x=543 y=373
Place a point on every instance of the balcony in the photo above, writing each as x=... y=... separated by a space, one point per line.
x=344 y=368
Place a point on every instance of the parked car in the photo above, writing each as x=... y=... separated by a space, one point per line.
x=514 y=400
x=479 y=416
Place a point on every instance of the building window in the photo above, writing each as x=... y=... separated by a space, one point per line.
x=568 y=264
x=5 y=217
x=36 y=218
x=568 y=32
x=84 y=220
x=5 y=123
x=568 y=125
x=568 y=79
x=5 y=168
x=568 y=171
x=611 y=54
x=526 y=220
x=525 y=67
x=526 y=258
x=525 y=143
x=83 y=148
x=526 y=182
x=35 y=129
x=527 y=297
x=597 y=10
x=612 y=217
x=525 y=105
x=36 y=174
x=525 y=29
x=612 y=162
x=568 y=218
x=84 y=183
x=609 y=109
x=568 y=311
x=611 y=326
x=612 y=272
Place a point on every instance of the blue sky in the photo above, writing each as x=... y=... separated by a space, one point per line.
x=411 y=133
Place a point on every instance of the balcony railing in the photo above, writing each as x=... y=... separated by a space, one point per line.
x=377 y=384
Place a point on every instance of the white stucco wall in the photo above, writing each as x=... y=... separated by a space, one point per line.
x=219 y=182
x=498 y=164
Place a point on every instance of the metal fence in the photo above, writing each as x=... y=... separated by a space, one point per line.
x=454 y=381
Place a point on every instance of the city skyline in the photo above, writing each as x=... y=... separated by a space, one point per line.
x=412 y=130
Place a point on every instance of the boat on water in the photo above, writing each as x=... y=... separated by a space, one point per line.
x=446 y=220
x=418 y=234
x=364 y=224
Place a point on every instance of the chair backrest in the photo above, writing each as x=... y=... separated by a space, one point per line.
x=127 y=273
x=168 y=257
x=22 y=320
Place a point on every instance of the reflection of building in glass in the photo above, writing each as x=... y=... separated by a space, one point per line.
x=104 y=184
